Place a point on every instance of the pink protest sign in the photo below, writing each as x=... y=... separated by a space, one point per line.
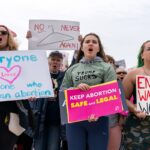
x=101 y=100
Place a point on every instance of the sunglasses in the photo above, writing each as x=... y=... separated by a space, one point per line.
x=122 y=72
x=3 y=33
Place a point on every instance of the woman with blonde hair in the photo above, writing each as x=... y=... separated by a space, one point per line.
x=8 y=138
x=7 y=40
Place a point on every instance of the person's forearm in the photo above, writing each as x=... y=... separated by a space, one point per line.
x=131 y=106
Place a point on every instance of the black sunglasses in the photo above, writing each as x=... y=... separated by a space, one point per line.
x=122 y=72
x=3 y=33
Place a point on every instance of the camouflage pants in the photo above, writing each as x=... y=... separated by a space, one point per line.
x=136 y=133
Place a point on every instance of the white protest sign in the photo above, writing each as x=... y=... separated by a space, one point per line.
x=143 y=93
x=54 y=35
x=24 y=74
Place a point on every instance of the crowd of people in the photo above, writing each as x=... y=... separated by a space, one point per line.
x=43 y=129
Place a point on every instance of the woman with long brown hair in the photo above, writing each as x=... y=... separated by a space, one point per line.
x=91 y=69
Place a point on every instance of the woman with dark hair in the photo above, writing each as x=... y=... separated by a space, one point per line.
x=137 y=126
x=91 y=69
x=100 y=53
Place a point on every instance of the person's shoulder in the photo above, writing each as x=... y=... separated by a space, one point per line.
x=131 y=75
x=62 y=73
x=73 y=67
x=106 y=65
x=135 y=71
x=102 y=62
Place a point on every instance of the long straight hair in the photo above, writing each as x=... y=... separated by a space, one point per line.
x=101 y=52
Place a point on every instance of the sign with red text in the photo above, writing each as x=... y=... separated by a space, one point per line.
x=143 y=93
x=101 y=100
x=54 y=35
x=24 y=74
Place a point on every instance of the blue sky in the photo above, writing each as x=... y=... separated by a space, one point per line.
x=123 y=25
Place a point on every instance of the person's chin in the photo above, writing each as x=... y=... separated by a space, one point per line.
x=2 y=45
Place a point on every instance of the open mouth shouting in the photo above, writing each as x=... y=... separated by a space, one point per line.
x=0 y=39
x=54 y=66
x=90 y=49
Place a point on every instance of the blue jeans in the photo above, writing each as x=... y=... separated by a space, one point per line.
x=92 y=134
x=50 y=140
x=52 y=136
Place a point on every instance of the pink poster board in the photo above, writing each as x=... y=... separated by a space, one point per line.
x=101 y=100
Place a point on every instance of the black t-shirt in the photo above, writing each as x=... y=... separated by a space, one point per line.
x=8 y=107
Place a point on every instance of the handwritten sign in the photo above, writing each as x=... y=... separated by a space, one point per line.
x=24 y=74
x=54 y=35
x=143 y=93
x=101 y=100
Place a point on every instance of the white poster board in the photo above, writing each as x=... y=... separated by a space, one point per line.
x=24 y=74
x=121 y=63
x=54 y=35
x=143 y=93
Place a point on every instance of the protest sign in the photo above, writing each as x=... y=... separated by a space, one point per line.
x=101 y=100
x=54 y=35
x=143 y=93
x=62 y=105
x=24 y=74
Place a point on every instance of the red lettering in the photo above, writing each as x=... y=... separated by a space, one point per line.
x=147 y=83
x=69 y=28
x=68 y=45
x=8 y=74
x=141 y=82
x=39 y=27
x=144 y=95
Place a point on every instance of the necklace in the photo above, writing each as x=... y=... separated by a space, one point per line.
x=148 y=74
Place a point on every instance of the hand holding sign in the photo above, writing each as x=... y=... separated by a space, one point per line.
x=92 y=118
x=83 y=87
x=139 y=114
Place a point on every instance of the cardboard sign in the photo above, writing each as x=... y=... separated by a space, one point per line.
x=143 y=93
x=54 y=35
x=101 y=100
x=24 y=74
